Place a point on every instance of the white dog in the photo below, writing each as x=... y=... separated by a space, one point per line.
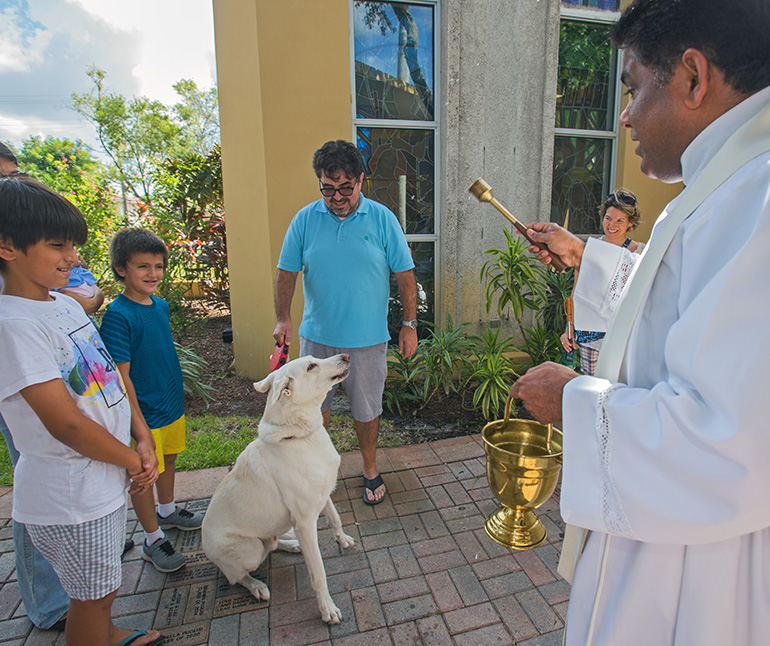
x=283 y=479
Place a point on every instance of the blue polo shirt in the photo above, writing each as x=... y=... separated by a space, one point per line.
x=346 y=267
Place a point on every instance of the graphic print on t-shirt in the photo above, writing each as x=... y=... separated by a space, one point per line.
x=94 y=372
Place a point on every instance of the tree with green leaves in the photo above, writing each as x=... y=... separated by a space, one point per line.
x=198 y=115
x=59 y=163
x=135 y=133
x=189 y=213
x=70 y=169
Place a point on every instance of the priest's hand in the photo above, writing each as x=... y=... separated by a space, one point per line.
x=560 y=242
x=540 y=390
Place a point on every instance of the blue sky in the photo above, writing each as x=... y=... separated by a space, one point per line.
x=144 y=46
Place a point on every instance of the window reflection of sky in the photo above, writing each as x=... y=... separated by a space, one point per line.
x=381 y=52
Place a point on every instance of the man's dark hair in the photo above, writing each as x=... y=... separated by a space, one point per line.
x=733 y=34
x=338 y=155
x=7 y=154
x=31 y=212
x=128 y=242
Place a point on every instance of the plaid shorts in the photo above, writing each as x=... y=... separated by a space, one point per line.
x=86 y=557
x=588 y=358
x=366 y=381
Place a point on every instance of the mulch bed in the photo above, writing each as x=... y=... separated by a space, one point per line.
x=445 y=416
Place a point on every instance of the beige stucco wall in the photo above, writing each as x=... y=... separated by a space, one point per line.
x=284 y=89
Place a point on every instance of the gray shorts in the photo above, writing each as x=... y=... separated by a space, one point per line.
x=86 y=557
x=366 y=381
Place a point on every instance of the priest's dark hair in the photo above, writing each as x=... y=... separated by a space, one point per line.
x=734 y=35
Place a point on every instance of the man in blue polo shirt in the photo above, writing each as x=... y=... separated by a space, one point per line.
x=346 y=247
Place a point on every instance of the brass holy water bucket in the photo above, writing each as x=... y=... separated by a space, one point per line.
x=523 y=466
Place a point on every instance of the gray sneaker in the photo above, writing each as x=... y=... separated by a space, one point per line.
x=181 y=519
x=163 y=556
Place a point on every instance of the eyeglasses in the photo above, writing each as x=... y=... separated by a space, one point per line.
x=345 y=191
x=621 y=197
x=13 y=173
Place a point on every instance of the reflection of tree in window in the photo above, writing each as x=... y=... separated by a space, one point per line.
x=396 y=85
x=585 y=67
x=584 y=103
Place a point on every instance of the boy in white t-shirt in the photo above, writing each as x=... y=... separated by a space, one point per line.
x=68 y=412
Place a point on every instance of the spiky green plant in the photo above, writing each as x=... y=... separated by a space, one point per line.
x=192 y=374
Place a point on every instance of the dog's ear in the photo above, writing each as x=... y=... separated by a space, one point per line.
x=264 y=385
x=284 y=388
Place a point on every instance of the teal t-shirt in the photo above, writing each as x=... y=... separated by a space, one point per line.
x=346 y=266
x=141 y=334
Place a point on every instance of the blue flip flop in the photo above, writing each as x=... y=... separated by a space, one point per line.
x=141 y=633
x=371 y=485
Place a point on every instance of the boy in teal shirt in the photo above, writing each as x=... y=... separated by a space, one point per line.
x=137 y=332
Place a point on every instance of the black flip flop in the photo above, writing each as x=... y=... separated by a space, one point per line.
x=371 y=485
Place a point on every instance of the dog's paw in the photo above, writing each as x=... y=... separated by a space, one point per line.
x=344 y=540
x=330 y=613
x=289 y=546
x=257 y=588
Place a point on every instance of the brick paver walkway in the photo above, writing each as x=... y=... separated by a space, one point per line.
x=423 y=570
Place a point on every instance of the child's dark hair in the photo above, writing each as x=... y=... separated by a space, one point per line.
x=31 y=212
x=127 y=242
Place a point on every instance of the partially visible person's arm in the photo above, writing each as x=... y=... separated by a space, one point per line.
x=560 y=241
x=407 y=288
x=285 y=282
x=90 y=305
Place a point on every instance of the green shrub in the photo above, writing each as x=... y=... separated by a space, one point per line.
x=192 y=374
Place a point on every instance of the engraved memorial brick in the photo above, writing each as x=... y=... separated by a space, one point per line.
x=200 y=603
x=236 y=603
x=192 y=575
x=188 y=635
x=196 y=558
x=189 y=542
x=172 y=605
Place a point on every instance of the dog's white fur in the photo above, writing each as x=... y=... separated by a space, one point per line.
x=283 y=479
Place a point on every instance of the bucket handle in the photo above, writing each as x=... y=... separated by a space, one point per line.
x=508 y=403
x=549 y=427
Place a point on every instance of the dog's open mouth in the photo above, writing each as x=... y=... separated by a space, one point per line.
x=341 y=376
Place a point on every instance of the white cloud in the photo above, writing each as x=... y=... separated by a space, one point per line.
x=144 y=46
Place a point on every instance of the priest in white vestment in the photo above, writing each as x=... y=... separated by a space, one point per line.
x=668 y=466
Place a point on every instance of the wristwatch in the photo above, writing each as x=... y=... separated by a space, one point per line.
x=412 y=324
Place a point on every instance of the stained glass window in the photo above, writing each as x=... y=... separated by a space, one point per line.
x=607 y=5
x=581 y=166
x=423 y=254
x=400 y=173
x=393 y=60
x=396 y=126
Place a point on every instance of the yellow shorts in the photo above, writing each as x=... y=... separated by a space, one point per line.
x=169 y=440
